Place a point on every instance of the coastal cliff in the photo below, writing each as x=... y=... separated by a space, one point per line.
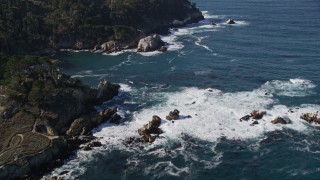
x=39 y=106
x=45 y=26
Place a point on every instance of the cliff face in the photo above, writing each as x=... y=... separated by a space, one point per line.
x=32 y=26
x=38 y=105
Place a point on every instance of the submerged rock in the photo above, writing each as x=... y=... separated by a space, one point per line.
x=281 y=120
x=311 y=117
x=173 y=115
x=150 y=43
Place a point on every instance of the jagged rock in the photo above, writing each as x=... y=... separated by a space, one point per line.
x=162 y=49
x=281 y=120
x=84 y=124
x=97 y=48
x=230 y=21
x=213 y=24
x=311 y=117
x=254 y=123
x=151 y=128
x=258 y=115
x=245 y=118
x=111 y=114
x=115 y=118
x=106 y=91
x=107 y=114
x=110 y=46
x=91 y=145
x=173 y=115
x=150 y=43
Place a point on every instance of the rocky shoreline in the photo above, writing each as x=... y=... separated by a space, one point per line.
x=144 y=41
x=46 y=116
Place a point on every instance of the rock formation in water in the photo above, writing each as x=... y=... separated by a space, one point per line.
x=149 y=132
x=281 y=120
x=150 y=43
x=173 y=115
x=311 y=117
x=255 y=115
x=230 y=21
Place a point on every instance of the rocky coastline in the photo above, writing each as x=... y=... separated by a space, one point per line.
x=45 y=115
x=143 y=40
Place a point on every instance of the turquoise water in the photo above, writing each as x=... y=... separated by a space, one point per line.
x=268 y=61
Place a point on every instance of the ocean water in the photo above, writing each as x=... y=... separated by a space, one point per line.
x=269 y=60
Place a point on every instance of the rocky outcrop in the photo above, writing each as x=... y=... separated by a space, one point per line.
x=91 y=145
x=311 y=117
x=173 y=115
x=111 y=46
x=245 y=118
x=255 y=115
x=281 y=120
x=230 y=21
x=106 y=91
x=150 y=132
x=83 y=125
x=258 y=115
x=150 y=43
x=41 y=125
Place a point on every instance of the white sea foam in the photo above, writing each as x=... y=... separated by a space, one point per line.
x=292 y=88
x=74 y=51
x=119 y=52
x=214 y=114
x=198 y=43
x=238 y=23
x=206 y=15
x=173 y=44
x=203 y=72
x=89 y=75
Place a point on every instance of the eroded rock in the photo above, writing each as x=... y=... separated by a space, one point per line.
x=173 y=115
x=258 y=115
x=281 y=120
x=150 y=43
x=150 y=131
x=245 y=118
x=311 y=117
x=110 y=46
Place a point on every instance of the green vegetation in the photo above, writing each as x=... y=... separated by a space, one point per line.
x=31 y=25
x=33 y=79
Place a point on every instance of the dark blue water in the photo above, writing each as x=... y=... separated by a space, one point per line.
x=274 y=48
